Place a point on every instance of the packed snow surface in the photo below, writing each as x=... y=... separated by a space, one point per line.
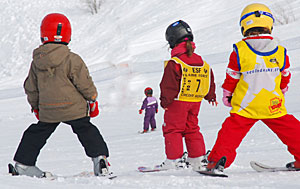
x=124 y=47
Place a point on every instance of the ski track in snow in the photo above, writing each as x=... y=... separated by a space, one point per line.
x=124 y=48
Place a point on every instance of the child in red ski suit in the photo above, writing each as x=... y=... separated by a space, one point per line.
x=187 y=79
x=257 y=78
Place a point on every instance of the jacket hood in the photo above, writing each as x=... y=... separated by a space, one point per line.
x=50 y=55
x=181 y=49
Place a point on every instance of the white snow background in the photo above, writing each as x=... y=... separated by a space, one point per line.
x=124 y=47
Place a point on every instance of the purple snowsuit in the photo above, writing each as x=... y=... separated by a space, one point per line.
x=150 y=105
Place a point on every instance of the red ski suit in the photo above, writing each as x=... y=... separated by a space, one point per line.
x=181 y=118
x=235 y=127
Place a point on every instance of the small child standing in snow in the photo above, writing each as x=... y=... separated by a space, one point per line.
x=151 y=107
x=256 y=81
x=186 y=81
x=59 y=89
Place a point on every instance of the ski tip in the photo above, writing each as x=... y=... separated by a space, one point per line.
x=141 y=169
x=255 y=164
x=260 y=167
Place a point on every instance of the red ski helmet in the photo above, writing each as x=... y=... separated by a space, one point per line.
x=148 y=91
x=56 y=27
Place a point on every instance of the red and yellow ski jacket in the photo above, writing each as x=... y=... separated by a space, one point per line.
x=256 y=78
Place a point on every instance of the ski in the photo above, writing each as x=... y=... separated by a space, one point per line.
x=259 y=167
x=87 y=174
x=217 y=171
x=156 y=168
x=47 y=175
x=212 y=173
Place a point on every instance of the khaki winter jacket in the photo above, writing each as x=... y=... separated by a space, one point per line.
x=59 y=84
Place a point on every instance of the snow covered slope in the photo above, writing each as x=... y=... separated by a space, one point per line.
x=124 y=48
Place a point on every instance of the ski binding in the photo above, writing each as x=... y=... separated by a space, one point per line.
x=217 y=171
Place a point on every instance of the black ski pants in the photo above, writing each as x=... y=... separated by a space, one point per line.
x=36 y=135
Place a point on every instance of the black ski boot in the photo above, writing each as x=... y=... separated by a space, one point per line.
x=293 y=166
x=215 y=169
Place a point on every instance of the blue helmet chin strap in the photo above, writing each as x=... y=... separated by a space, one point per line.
x=257 y=14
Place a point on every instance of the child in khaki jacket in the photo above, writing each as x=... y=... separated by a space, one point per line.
x=59 y=89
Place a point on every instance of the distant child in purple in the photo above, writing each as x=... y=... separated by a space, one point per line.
x=151 y=107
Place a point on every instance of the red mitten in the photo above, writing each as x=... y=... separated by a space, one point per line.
x=94 y=110
x=140 y=111
x=36 y=113
x=156 y=110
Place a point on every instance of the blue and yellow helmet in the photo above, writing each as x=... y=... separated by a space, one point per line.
x=256 y=15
